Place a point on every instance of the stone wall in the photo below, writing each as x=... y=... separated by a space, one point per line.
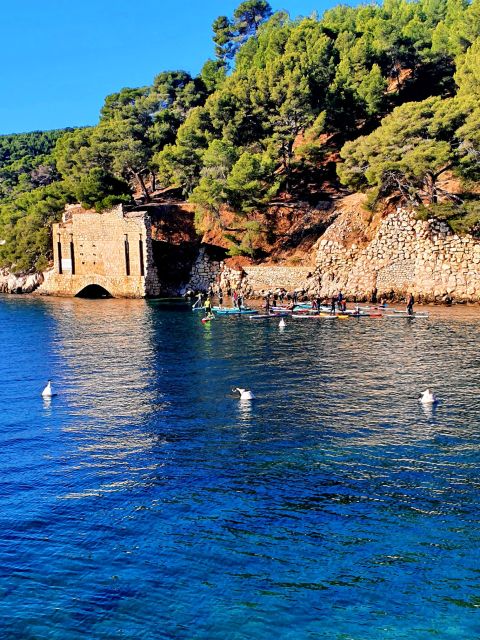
x=405 y=255
x=269 y=278
x=91 y=249
x=205 y=272
x=252 y=280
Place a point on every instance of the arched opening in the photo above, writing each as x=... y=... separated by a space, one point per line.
x=93 y=291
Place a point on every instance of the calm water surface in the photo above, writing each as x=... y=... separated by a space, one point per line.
x=144 y=502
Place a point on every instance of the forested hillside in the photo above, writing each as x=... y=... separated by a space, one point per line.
x=386 y=94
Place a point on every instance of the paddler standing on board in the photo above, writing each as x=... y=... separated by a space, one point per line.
x=208 y=307
x=410 y=302
x=267 y=304
x=333 y=304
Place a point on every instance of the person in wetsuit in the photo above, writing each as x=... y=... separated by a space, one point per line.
x=410 y=301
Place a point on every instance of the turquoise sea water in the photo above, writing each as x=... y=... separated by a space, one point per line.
x=144 y=502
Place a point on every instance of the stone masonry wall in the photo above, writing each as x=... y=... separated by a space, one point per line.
x=270 y=278
x=406 y=255
x=99 y=254
x=252 y=280
x=204 y=273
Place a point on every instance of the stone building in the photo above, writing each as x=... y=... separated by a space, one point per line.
x=107 y=253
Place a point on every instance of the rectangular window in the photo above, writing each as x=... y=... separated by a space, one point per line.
x=127 y=256
x=72 y=257
x=59 y=252
x=140 y=251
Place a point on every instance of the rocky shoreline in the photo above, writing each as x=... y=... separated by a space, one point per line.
x=21 y=283
x=401 y=254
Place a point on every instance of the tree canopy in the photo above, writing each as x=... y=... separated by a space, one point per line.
x=391 y=90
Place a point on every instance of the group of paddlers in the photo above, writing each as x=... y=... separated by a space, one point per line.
x=205 y=300
x=282 y=298
x=335 y=303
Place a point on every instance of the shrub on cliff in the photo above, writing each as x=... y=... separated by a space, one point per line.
x=461 y=217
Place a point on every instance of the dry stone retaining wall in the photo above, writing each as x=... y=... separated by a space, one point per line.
x=406 y=255
x=270 y=278
x=205 y=272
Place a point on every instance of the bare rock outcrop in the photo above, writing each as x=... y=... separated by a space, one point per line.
x=22 y=283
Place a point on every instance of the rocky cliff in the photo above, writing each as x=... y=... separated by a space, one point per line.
x=387 y=254
x=363 y=254
x=22 y=283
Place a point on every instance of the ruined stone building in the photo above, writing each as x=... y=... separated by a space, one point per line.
x=106 y=253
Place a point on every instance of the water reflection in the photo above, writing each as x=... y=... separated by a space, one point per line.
x=244 y=409
x=429 y=410
x=107 y=355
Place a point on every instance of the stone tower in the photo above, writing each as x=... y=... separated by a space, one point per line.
x=108 y=252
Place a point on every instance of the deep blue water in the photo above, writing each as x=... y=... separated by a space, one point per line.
x=144 y=502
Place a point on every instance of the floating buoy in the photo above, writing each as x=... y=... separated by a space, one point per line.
x=245 y=394
x=282 y=323
x=428 y=397
x=48 y=391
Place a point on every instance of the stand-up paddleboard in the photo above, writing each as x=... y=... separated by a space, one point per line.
x=322 y=316
x=267 y=316
x=234 y=311
x=209 y=319
x=400 y=312
x=302 y=305
x=406 y=316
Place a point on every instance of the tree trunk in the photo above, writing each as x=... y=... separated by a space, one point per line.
x=430 y=187
x=154 y=181
x=141 y=182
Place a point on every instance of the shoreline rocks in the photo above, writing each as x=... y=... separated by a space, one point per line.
x=21 y=283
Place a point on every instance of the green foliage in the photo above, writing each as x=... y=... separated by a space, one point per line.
x=25 y=226
x=231 y=34
x=180 y=164
x=101 y=190
x=467 y=76
x=211 y=191
x=413 y=146
x=251 y=183
x=461 y=217
x=213 y=74
x=372 y=90
x=247 y=245
x=19 y=146
x=26 y=161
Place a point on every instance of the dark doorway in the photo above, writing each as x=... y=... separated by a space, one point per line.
x=93 y=291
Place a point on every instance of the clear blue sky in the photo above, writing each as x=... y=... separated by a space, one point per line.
x=60 y=58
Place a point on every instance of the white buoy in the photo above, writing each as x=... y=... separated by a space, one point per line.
x=245 y=394
x=48 y=391
x=282 y=323
x=428 y=397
